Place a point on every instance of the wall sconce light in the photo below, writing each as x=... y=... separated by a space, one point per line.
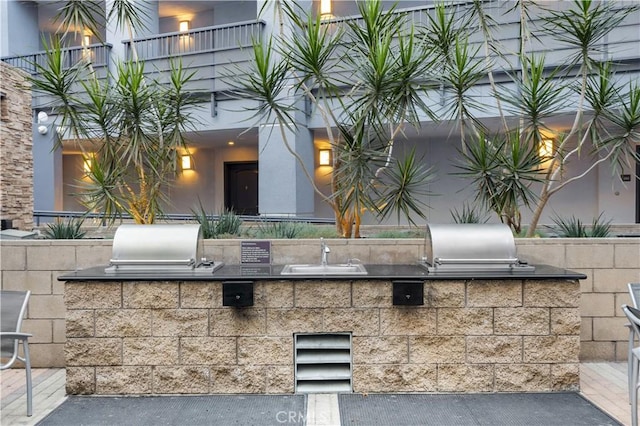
x=87 y=162
x=183 y=26
x=186 y=162
x=86 y=40
x=545 y=150
x=324 y=158
x=325 y=7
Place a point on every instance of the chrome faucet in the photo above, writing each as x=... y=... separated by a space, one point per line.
x=324 y=252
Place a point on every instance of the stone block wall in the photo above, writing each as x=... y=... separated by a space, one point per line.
x=36 y=265
x=16 y=141
x=609 y=264
x=176 y=337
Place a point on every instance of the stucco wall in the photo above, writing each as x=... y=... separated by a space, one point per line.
x=609 y=264
x=16 y=158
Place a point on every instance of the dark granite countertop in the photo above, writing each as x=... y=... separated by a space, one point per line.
x=272 y=273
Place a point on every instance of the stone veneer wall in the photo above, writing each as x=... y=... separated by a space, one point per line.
x=176 y=337
x=16 y=141
x=609 y=264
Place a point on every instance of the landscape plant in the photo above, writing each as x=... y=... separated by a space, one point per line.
x=369 y=79
x=222 y=225
x=285 y=229
x=65 y=229
x=468 y=214
x=366 y=80
x=606 y=110
x=130 y=126
x=573 y=227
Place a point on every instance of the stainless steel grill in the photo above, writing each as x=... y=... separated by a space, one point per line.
x=159 y=249
x=471 y=248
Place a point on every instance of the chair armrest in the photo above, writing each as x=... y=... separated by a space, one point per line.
x=14 y=335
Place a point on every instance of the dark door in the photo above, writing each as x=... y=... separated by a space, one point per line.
x=241 y=187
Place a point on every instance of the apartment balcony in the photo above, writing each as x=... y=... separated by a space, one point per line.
x=97 y=55
x=622 y=46
x=211 y=53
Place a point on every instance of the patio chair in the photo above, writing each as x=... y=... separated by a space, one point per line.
x=634 y=293
x=633 y=315
x=13 y=305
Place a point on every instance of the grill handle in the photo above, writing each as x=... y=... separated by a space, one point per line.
x=441 y=261
x=151 y=262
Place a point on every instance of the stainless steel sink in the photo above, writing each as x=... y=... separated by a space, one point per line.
x=330 y=269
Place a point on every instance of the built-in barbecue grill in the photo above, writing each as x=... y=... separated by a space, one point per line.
x=471 y=247
x=159 y=249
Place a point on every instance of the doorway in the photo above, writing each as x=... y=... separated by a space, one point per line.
x=241 y=187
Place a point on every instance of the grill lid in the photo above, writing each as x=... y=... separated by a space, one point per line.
x=159 y=248
x=472 y=247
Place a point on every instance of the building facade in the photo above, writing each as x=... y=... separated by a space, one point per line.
x=16 y=161
x=242 y=164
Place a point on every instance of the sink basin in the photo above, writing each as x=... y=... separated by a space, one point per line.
x=336 y=269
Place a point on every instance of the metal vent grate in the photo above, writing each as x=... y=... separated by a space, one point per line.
x=323 y=363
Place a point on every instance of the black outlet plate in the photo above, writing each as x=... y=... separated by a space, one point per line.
x=237 y=293
x=409 y=293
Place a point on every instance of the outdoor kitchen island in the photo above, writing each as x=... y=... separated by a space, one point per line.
x=250 y=329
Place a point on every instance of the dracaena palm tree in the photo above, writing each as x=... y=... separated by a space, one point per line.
x=134 y=127
x=606 y=122
x=366 y=79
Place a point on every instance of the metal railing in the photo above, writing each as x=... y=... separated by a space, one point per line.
x=211 y=53
x=621 y=45
x=97 y=54
x=39 y=215
x=200 y=40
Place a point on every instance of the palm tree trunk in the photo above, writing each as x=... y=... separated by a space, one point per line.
x=542 y=202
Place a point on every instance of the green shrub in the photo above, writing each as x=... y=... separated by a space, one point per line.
x=61 y=230
x=393 y=233
x=468 y=215
x=309 y=230
x=574 y=228
x=600 y=229
x=284 y=229
x=207 y=223
x=227 y=223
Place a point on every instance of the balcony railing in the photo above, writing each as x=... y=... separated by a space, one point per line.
x=201 y=40
x=97 y=54
x=211 y=52
x=622 y=45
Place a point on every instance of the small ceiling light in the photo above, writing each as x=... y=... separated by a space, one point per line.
x=184 y=26
x=325 y=7
x=231 y=143
x=186 y=162
x=324 y=158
